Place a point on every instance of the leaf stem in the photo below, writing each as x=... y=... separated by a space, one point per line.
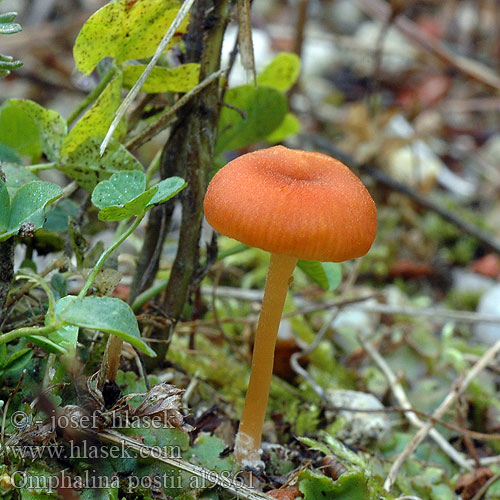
x=107 y=253
x=41 y=166
x=94 y=94
x=29 y=330
x=148 y=294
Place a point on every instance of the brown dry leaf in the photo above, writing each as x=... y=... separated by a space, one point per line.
x=333 y=468
x=288 y=493
x=163 y=401
x=106 y=281
x=469 y=484
x=36 y=434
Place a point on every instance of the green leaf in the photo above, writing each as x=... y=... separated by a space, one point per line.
x=96 y=121
x=46 y=344
x=7 y=27
x=16 y=176
x=3 y=354
x=333 y=446
x=7 y=64
x=108 y=315
x=264 y=109
x=28 y=205
x=30 y=130
x=119 y=189
x=9 y=155
x=17 y=361
x=349 y=486
x=167 y=189
x=327 y=275
x=179 y=79
x=63 y=339
x=289 y=126
x=88 y=168
x=57 y=218
x=123 y=195
x=281 y=73
x=4 y=207
x=126 y=29
x=59 y=285
x=8 y=17
x=136 y=207
x=207 y=452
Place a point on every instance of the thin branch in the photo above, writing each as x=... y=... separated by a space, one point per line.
x=294 y=359
x=400 y=395
x=183 y=12
x=15 y=296
x=457 y=390
x=164 y=120
x=486 y=486
x=207 y=476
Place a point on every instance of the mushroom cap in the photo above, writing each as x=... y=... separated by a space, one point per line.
x=298 y=203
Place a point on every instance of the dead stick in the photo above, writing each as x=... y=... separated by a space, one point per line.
x=457 y=390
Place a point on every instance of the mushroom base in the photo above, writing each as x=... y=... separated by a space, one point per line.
x=247 y=454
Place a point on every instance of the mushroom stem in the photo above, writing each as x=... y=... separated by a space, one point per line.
x=252 y=419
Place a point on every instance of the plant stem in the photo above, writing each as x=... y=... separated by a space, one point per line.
x=102 y=259
x=111 y=359
x=158 y=225
x=29 y=330
x=148 y=294
x=41 y=166
x=188 y=154
x=192 y=144
x=252 y=419
x=6 y=271
x=90 y=98
x=6 y=265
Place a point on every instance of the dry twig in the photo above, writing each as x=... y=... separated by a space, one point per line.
x=457 y=390
x=400 y=395
x=204 y=475
x=165 y=120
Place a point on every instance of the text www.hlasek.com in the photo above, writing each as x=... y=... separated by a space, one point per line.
x=85 y=450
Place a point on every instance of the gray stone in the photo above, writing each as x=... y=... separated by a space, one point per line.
x=360 y=429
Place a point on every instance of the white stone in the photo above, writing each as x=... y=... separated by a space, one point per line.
x=360 y=428
x=488 y=333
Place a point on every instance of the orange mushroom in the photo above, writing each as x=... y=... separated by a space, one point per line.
x=294 y=204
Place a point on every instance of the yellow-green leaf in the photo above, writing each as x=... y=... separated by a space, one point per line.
x=289 y=126
x=29 y=129
x=126 y=29
x=180 y=79
x=281 y=73
x=96 y=121
x=87 y=167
